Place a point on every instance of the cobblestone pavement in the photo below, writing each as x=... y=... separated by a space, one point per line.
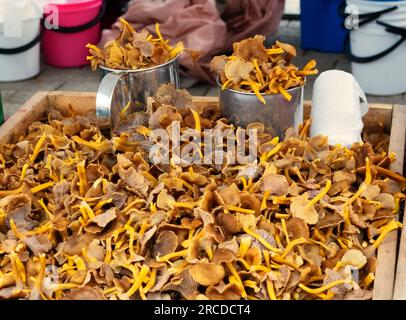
x=83 y=79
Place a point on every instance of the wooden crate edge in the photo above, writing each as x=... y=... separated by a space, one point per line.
x=28 y=111
x=400 y=276
x=385 y=277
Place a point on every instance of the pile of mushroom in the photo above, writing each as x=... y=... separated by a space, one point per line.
x=87 y=217
x=133 y=50
x=254 y=68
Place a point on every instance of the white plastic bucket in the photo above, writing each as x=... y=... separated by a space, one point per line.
x=19 y=39
x=24 y=65
x=386 y=75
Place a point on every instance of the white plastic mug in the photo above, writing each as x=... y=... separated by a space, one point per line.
x=339 y=103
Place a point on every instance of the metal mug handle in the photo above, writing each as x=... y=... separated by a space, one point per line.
x=105 y=95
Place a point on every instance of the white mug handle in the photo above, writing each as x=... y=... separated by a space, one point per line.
x=364 y=104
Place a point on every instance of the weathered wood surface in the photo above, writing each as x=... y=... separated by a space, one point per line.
x=399 y=142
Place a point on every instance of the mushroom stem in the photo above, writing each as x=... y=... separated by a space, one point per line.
x=290 y=246
x=245 y=244
x=65 y=286
x=42 y=187
x=320 y=195
x=274 y=51
x=305 y=130
x=24 y=172
x=142 y=293
x=226 y=85
x=369 y=279
x=237 y=277
x=259 y=74
x=151 y=282
x=43 y=205
x=101 y=203
x=286 y=94
x=132 y=204
x=17 y=233
x=42 y=229
x=238 y=209
x=36 y=292
x=196 y=117
x=244 y=183
x=124 y=111
x=321 y=244
x=324 y=288
x=187 y=205
x=255 y=88
x=266 y=156
x=271 y=290
x=7 y=279
x=18 y=272
x=137 y=281
x=285 y=230
x=260 y=268
x=100 y=146
x=393 y=225
x=86 y=210
x=107 y=258
x=299 y=175
x=5 y=193
x=362 y=188
x=244 y=263
x=265 y=243
x=172 y=255
x=264 y=199
x=390 y=174
x=83 y=185
x=37 y=148
x=368 y=176
x=158 y=32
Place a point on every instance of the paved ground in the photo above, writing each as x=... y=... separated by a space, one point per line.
x=83 y=79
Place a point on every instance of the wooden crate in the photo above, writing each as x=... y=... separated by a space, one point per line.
x=399 y=122
x=392 y=117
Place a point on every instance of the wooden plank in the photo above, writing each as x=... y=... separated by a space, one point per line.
x=400 y=278
x=80 y=102
x=400 y=126
x=386 y=257
x=31 y=111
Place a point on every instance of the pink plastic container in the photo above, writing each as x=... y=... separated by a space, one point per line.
x=79 y=24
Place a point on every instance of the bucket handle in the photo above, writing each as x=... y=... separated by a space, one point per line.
x=365 y=17
x=26 y=47
x=83 y=27
x=389 y=28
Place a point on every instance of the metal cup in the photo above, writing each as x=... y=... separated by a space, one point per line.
x=119 y=87
x=278 y=114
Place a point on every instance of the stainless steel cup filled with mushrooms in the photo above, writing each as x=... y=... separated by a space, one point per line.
x=277 y=114
x=123 y=92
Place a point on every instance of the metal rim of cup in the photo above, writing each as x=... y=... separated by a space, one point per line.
x=253 y=94
x=122 y=71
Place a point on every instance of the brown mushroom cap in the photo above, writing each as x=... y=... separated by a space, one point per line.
x=166 y=243
x=207 y=274
x=223 y=291
x=85 y=293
